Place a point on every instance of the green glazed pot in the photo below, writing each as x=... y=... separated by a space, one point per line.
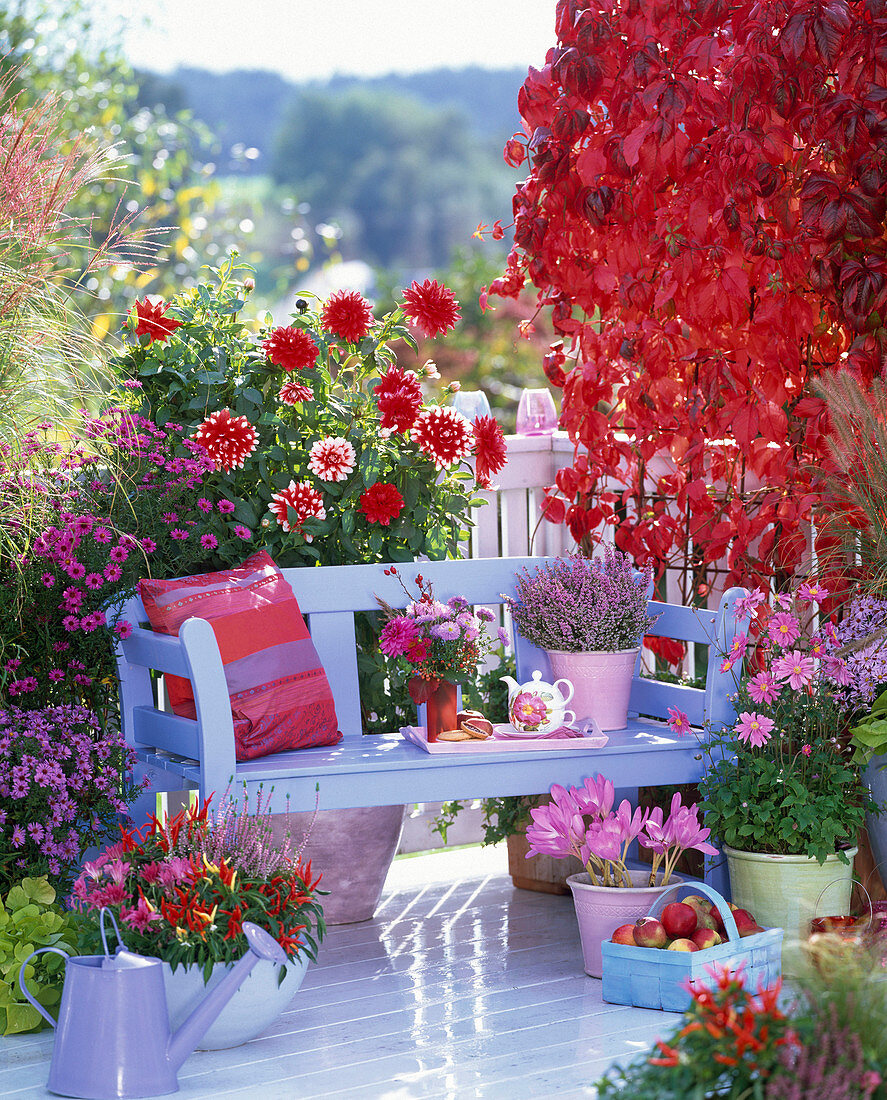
x=789 y=891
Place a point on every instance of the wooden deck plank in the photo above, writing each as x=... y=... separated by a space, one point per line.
x=460 y=987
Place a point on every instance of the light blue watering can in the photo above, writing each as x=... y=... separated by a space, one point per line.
x=113 y=1038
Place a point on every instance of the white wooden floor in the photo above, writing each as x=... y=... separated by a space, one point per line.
x=460 y=987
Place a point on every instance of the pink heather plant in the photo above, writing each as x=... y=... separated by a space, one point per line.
x=578 y=604
x=580 y=821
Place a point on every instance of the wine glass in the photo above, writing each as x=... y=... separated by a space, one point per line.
x=536 y=413
x=471 y=404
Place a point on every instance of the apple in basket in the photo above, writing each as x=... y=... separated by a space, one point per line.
x=624 y=934
x=746 y=925
x=679 y=920
x=682 y=944
x=705 y=937
x=649 y=932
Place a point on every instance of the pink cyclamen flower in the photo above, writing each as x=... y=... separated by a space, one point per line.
x=754 y=729
x=746 y=606
x=783 y=628
x=678 y=722
x=796 y=668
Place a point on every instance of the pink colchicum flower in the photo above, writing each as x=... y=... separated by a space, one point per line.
x=595 y=796
x=754 y=729
x=783 y=628
x=763 y=688
x=796 y=668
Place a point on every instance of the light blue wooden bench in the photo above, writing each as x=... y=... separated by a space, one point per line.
x=361 y=770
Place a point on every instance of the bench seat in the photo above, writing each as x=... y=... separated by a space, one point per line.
x=362 y=770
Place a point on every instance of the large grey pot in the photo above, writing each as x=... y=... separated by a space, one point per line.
x=876 y=824
x=354 y=849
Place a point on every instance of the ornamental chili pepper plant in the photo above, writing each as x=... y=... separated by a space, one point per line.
x=704 y=213
x=182 y=888
x=329 y=448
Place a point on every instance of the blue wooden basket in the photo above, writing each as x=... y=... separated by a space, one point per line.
x=653 y=978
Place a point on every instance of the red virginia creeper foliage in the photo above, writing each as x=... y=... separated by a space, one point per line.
x=705 y=216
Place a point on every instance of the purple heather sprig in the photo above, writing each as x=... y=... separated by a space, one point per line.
x=578 y=604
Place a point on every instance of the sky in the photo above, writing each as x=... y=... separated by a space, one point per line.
x=314 y=39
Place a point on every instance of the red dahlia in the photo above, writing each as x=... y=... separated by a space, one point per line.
x=443 y=434
x=303 y=499
x=490 y=453
x=228 y=440
x=291 y=348
x=399 y=398
x=150 y=321
x=381 y=503
x=291 y=393
x=432 y=308
x=347 y=314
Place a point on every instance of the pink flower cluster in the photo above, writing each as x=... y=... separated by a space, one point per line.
x=581 y=821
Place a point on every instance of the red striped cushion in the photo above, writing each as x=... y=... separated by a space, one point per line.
x=280 y=696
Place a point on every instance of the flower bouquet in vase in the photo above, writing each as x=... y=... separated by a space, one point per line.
x=181 y=890
x=581 y=822
x=439 y=645
x=589 y=615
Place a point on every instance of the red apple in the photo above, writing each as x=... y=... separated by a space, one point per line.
x=649 y=932
x=624 y=934
x=715 y=915
x=746 y=925
x=705 y=937
x=682 y=944
x=679 y=920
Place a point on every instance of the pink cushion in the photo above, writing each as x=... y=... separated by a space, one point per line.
x=280 y=696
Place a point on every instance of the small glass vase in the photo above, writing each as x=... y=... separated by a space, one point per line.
x=536 y=413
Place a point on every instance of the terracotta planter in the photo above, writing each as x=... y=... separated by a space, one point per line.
x=600 y=910
x=601 y=683
x=354 y=849
x=542 y=874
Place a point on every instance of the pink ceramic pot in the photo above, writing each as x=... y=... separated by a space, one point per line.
x=601 y=683
x=600 y=910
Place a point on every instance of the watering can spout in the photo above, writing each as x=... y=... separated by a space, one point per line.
x=261 y=946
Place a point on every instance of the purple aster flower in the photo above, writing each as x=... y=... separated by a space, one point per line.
x=447 y=632
x=94 y=580
x=242 y=532
x=149 y=545
x=178 y=533
x=204 y=505
x=48 y=580
x=209 y=541
x=226 y=507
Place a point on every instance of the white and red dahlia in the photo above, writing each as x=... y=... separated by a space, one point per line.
x=331 y=459
x=291 y=393
x=443 y=434
x=229 y=440
x=305 y=502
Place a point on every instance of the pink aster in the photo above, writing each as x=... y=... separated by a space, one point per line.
x=678 y=722
x=795 y=667
x=754 y=729
x=783 y=628
x=763 y=688
x=332 y=459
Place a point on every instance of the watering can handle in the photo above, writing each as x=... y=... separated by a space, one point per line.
x=105 y=912
x=23 y=987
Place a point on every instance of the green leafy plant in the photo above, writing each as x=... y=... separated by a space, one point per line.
x=29 y=920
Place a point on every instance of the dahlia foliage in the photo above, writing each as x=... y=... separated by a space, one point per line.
x=329 y=446
x=705 y=215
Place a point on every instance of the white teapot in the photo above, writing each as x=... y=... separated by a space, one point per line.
x=538 y=707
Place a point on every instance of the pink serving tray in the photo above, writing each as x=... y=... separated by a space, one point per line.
x=501 y=742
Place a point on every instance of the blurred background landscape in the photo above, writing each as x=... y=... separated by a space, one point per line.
x=241 y=128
